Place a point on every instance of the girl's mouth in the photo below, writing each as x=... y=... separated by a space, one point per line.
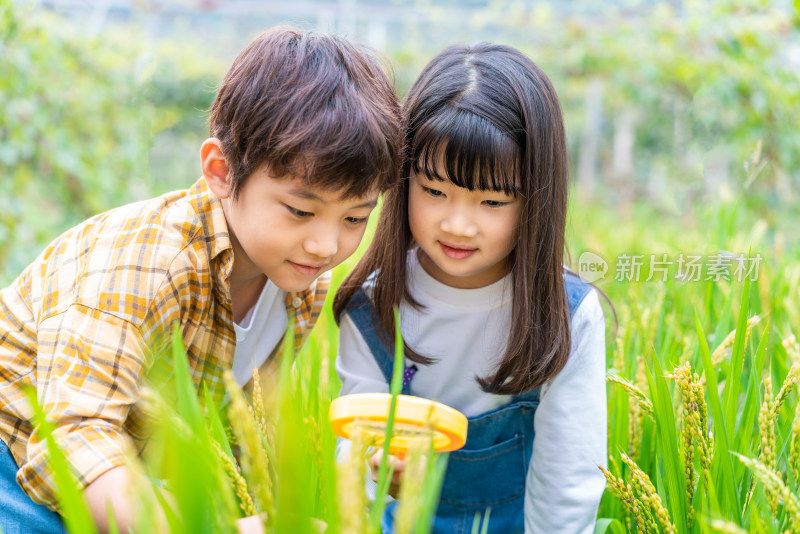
x=457 y=252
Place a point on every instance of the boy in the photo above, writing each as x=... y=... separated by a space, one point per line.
x=305 y=133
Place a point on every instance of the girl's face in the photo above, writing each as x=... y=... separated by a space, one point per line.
x=464 y=236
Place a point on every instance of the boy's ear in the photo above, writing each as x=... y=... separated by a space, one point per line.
x=215 y=167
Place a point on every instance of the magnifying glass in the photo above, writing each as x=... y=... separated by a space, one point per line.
x=416 y=419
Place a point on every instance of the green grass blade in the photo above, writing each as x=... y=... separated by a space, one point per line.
x=748 y=417
x=76 y=516
x=293 y=507
x=215 y=423
x=606 y=524
x=188 y=405
x=434 y=477
x=112 y=521
x=722 y=463
x=733 y=382
x=486 y=516
x=173 y=520
x=476 y=523
x=667 y=442
x=384 y=476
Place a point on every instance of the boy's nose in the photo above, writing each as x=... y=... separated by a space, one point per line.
x=458 y=224
x=322 y=244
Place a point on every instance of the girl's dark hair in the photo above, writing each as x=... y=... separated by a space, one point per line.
x=311 y=105
x=489 y=118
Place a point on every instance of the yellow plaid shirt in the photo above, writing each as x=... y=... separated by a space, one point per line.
x=79 y=322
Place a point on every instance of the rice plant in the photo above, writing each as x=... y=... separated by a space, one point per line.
x=704 y=417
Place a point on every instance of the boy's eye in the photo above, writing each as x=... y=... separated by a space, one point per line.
x=299 y=213
x=356 y=220
x=495 y=203
x=432 y=192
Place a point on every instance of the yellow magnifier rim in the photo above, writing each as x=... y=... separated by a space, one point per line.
x=415 y=419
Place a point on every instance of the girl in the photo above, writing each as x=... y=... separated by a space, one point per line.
x=470 y=248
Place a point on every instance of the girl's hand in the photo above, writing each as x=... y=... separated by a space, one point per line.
x=395 y=464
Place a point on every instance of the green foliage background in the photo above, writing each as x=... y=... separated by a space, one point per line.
x=89 y=122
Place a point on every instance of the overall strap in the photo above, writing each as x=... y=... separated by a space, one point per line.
x=576 y=290
x=527 y=396
x=362 y=312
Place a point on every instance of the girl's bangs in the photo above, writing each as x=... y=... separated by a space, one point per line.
x=467 y=150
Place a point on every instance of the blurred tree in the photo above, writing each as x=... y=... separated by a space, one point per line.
x=74 y=129
x=700 y=86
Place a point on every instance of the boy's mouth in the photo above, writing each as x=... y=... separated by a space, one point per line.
x=306 y=269
x=457 y=252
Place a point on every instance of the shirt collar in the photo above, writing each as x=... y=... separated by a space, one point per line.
x=215 y=229
x=209 y=209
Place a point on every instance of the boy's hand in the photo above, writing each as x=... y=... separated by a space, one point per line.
x=253 y=524
x=395 y=464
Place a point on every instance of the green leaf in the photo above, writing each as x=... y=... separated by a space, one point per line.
x=668 y=444
x=605 y=524
x=733 y=383
x=73 y=508
x=215 y=423
x=434 y=477
x=188 y=405
x=722 y=463
x=384 y=476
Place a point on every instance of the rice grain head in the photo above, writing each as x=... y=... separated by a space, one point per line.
x=624 y=492
x=253 y=459
x=775 y=489
x=725 y=348
x=237 y=480
x=350 y=487
x=794 y=451
x=698 y=441
x=259 y=414
x=649 y=496
x=636 y=394
x=766 y=431
x=411 y=489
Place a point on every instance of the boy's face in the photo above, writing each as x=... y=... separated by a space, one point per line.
x=291 y=231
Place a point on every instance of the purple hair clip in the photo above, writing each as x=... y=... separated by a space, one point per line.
x=408 y=374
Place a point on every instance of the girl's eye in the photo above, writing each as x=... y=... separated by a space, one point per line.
x=299 y=213
x=432 y=192
x=495 y=203
x=356 y=220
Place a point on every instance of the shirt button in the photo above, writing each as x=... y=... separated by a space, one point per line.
x=297 y=302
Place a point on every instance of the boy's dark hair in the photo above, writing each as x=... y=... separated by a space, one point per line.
x=309 y=105
x=485 y=117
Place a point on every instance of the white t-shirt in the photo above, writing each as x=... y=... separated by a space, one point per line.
x=259 y=332
x=466 y=331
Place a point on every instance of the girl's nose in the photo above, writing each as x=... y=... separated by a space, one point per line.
x=459 y=224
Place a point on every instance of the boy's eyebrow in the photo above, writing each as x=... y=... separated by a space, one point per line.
x=310 y=195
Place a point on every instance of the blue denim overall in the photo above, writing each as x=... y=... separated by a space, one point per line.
x=18 y=513
x=490 y=471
